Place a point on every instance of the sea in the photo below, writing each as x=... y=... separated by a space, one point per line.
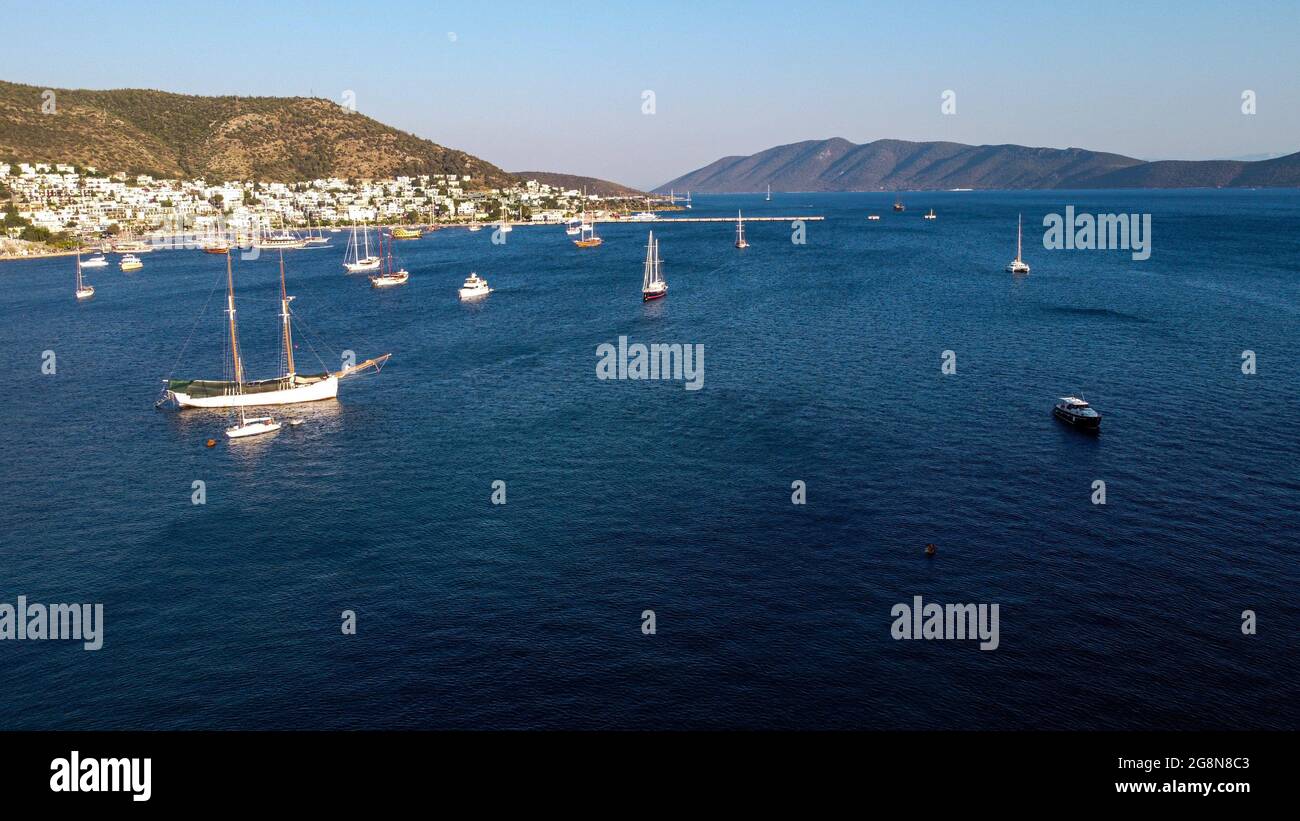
x=489 y=534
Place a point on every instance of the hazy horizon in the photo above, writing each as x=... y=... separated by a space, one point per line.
x=561 y=88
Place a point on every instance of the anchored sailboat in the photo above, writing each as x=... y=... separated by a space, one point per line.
x=318 y=238
x=84 y=291
x=388 y=277
x=290 y=387
x=740 y=232
x=360 y=263
x=653 y=285
x=769 y=193
x=1018 y=265
x=587 y=231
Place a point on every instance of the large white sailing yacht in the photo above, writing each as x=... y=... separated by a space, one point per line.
x=290 y=387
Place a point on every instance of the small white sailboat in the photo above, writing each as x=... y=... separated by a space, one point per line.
x=930 y=215
x=474 y=226
x=1018 y=265
x=769 y=193
x=740 y=232
x=360 y=263
x=252 y=426
x=653 y=285
x=475 y=286
x=97 y=261
x=573 y=227
x=873 y=217
x=84 y=291
x=130 y=262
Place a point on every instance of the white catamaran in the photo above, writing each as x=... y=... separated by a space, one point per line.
x=360 y=263
x=290 y=387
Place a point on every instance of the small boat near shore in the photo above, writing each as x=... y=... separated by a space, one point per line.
x=130 y=262
x=97 y=261
x=1077 y=413
x=587 y=234
x=407 y=233
x=284 y=240
x=84 y=291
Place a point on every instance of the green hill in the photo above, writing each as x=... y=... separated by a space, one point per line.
x=273 y=139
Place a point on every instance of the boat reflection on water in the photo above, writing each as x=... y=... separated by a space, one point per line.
x=309 y=423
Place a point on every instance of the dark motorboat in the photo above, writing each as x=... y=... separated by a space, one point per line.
x=1077 y=413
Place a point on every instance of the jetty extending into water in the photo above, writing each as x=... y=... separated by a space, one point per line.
x=711 y=219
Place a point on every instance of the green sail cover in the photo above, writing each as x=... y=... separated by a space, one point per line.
x=205 y=388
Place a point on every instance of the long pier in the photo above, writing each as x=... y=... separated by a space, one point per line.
x=705 y=219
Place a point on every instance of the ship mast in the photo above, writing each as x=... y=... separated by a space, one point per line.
x=1019 y=217
x=234 y=338
x=648 y=277
x=288 y=325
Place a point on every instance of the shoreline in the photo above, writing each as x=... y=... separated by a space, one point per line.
x=42 y=255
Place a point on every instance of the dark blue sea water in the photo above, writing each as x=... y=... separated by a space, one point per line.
x=822 y=365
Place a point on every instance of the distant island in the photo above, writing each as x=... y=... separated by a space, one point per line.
x=897 y=165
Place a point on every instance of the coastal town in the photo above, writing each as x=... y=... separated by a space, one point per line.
x=55 y=207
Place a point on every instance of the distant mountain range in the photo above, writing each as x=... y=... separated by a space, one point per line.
x=272 y=139
x=897 y=165
x=592 y=185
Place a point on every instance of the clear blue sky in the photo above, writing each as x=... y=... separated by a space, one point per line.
x=557 y=86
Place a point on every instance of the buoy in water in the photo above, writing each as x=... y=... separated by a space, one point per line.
x=930 y=549
x=212 y=443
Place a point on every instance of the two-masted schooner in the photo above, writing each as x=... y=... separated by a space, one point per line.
x=389 y=276
x=587 y=233
x=356 y=262
x=653 y=285
x=290 y=387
